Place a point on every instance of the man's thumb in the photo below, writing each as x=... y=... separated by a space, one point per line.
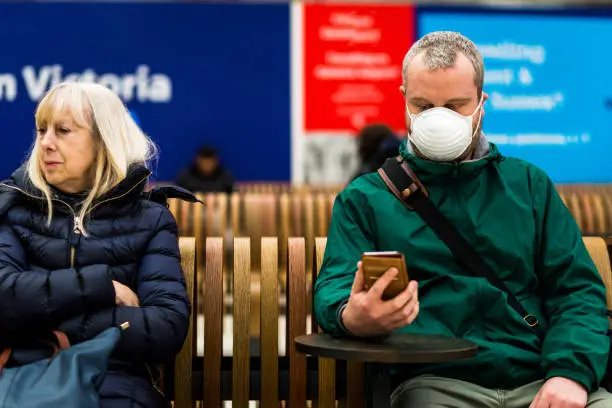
x=358 y=283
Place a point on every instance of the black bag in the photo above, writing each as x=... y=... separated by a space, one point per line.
x=405 y=185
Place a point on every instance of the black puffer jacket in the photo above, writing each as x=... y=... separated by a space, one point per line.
x=52 y=277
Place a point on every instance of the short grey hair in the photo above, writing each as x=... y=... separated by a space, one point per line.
x=441 y=48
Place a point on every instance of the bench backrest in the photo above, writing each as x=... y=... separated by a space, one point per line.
x=239 y=388
x=590 y=205
x=278 y=372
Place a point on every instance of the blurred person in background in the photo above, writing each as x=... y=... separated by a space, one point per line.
x=375 y=144
x=83 y=249
x=206 y=174
x=509 y=211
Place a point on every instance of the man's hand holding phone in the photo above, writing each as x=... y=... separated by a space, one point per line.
x=367 y=314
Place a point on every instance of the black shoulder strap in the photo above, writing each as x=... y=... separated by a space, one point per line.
x=404 y=184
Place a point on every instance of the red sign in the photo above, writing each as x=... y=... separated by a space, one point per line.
x=353 y=64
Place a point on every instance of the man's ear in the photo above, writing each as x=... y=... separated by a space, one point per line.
x=485 y=96
x=402 y=90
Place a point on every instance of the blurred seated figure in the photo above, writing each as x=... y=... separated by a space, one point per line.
x=376 y=143
x=83 y=249
x=206 y=174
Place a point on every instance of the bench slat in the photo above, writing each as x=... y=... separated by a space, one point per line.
x=296 y=312
x=183 y=362
x=213 y=313
x=269 y=322
x=322 y=215
x=185 y=222
x=355 y=396
x=309 y=230
x=222 y=215
x=242 y=316
x=236 y=207
x=210 y=213
x=284 y=228
x=327 y=366
x=173 y=206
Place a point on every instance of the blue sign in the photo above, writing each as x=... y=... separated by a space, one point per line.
x=192 y=74
x=549 y=87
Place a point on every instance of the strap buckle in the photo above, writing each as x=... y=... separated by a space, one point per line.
x=411 y=189
x=531 y=320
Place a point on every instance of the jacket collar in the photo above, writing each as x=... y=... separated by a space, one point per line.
x=128 y=190
x=441 y=173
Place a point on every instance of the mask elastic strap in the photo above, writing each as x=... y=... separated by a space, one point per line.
x=479 y=107
x=408 y=109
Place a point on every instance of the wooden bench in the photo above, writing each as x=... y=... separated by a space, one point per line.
x=272 y=376
x=253 y=215
x=275 y=373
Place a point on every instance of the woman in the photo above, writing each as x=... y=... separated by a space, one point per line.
x=83 y=249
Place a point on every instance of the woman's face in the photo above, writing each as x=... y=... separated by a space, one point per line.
x=66 y=154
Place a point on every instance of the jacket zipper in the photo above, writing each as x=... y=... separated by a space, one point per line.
x=75 y=235
x=118 y=197
x=154 y=382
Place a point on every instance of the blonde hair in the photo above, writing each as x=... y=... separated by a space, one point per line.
x=118 y=141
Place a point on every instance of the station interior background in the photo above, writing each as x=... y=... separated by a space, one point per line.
x=282 y=89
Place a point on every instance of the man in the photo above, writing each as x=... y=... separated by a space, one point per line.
x=206 y=175
x=509 y=211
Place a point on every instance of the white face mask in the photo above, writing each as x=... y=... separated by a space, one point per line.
x=441 y=134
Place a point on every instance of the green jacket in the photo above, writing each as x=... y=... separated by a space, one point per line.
x=512 y=215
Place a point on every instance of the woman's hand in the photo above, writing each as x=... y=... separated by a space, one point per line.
x=124 y=295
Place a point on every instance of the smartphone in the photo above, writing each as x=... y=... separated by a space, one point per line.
x=375 y=264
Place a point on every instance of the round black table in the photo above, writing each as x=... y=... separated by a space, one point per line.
x=377 y=353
